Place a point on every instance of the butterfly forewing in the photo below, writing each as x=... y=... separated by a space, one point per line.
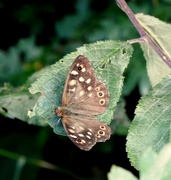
x=83 y=90
x=83 y=97
x=80 y=69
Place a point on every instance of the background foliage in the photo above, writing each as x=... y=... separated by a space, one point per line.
x=34 y=35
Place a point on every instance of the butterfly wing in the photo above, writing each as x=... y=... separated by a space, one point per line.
x=85 y=131
x=83 y=97
x=83 y=94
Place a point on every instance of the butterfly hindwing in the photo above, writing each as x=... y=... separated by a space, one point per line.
x=87 y=132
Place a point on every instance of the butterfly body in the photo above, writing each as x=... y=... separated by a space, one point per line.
x=83 y=98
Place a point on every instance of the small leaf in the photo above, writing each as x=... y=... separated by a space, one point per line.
x=156 y=166
x=120 y=122
x=160 y=32
x=151 y=125
x=118 y=173
x=109 y=60
x=141 y=80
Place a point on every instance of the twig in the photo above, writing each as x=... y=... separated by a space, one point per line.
x=144 y=36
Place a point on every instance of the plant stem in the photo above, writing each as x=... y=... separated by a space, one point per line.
x=144 y=36
x=22 y=160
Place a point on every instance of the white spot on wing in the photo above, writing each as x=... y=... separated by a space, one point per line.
x=72 y=90
x=73 y=136
x=71 y=130
x=81 y=93
x=83 y=70
x=72 y=82
x=74 y=72
x=89 y=88
x=90 y=94
x=81 y=79
x=88 y=136
x=81 y=135
x=88 y=80
x=89 y=133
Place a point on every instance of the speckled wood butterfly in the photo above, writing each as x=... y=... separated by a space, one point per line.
x=83 y=98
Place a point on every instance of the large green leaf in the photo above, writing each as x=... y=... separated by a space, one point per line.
x=152 y=166
x=15 y=102
x=109 y=60
x=151 y=125
x=160 y=32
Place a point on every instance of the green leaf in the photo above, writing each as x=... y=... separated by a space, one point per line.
x=151 y=125
x=11 y=67
x=29 y=48
x=109 y=60
x=15 y=103
x=120 y=122
x=147 y=160
x=10 y=64
x=136 y=66
x=156 y=166
x=118 y=173
x=160 y=32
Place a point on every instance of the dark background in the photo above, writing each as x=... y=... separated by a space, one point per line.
x=41 y=33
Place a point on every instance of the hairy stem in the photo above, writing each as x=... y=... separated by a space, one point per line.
x=144 y=36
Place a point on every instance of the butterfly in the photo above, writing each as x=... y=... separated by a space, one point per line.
x=83 y=98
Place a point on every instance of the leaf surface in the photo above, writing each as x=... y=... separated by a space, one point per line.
x=109 y=60
x=160 y=32
x=151 y=125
